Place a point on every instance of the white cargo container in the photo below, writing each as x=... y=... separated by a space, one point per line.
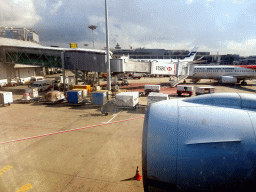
x=5 y=98
x=205 y=90
x=127 y=99
x=156 y=97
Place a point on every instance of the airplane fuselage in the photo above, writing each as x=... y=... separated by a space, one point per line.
x=217 y=72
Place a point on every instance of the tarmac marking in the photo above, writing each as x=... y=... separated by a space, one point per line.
x=112 y=118
x=8 y=167
x=24 y=188
x=76 y=129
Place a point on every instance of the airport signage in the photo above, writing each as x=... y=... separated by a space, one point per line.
x=73 y=45
x=163 y=68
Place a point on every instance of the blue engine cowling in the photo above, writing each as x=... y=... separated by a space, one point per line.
x=201 y=143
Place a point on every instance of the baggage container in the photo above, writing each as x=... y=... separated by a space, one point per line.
x=185 y=89
x=127 y=99
x=151 y=88
x=204 y=90
x=88 y=87
x=156 y=97
x=99 y=98
x=6 y=98
x=97 y=88
x=32 y=91
x=75 y=96
x=84 y=91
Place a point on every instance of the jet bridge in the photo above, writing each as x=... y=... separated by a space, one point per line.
x=179 y=70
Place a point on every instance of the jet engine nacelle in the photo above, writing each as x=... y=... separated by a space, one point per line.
x=228 y=79
x=201 y=143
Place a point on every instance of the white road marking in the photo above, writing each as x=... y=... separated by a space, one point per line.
x=112 y=117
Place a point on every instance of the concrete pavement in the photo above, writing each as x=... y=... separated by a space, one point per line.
x=102 y=158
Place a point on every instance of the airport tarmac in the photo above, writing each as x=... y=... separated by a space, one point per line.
x=92 y=158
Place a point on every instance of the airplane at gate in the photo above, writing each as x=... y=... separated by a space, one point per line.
x=225 y=74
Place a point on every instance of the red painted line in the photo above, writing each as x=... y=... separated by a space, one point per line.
x=71 y=130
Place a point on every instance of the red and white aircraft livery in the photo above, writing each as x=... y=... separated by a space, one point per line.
x=224 y=73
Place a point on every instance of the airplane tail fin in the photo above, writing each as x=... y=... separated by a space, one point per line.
x=191 y=55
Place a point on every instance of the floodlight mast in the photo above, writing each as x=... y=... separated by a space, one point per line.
x=92 y=27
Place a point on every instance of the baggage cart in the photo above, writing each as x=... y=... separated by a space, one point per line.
x=151 y=88
x=204 y=90
x=181 y=89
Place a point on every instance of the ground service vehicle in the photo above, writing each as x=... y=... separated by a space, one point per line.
x=42 y=85
x=36 y=78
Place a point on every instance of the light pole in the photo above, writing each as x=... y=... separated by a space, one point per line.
x=107 y=45
x=92 y=27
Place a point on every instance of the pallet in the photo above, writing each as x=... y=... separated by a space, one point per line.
x=24 y=101
x=79 y=104
x=51 y=102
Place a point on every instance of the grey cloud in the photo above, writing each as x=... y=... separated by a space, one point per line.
x=118 y=26
x=164 y=21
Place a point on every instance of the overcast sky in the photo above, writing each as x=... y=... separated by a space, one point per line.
x=224 y=26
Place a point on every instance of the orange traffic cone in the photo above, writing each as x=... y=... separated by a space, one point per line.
x=137 y=176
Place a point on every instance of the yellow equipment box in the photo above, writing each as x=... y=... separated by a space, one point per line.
x=88 y=87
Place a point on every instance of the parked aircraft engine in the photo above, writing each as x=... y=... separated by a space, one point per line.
x=228 y=79
x=201 y=143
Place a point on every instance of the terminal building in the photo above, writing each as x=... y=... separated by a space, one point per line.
x=251 y=60
x=22 y=56
x=16 y=37
x=142 y=53
x=23 y=34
